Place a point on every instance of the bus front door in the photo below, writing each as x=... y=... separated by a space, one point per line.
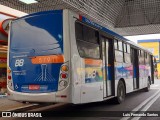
x=107 y=80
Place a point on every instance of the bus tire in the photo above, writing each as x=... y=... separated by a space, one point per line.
x=121 y=92
x=22 y=102
x=148 y=86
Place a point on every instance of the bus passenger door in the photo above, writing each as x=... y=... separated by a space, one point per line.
x=107 y=82
x=135 y=62
x=152 y=62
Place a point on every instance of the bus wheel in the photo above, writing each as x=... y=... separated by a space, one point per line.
x=22 y=102
x=148 y=86
x=121 y=92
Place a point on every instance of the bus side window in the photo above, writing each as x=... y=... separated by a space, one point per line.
x=124 y=47
x=127 y=52
x=79 y=31
x=128 y=48
x=131 y=55
x=115 y=44
x=119 y=52
x=87 y=41
x=120 y=46
x=143 y=57
x=139 y=52
x=88 y=50
x=90 y=35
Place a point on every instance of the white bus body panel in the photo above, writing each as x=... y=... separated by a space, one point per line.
x=76 y=62
x=66 y=47
x=128 y=78
x=82 y=92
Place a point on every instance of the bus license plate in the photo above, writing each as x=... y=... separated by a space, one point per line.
x=34 y=87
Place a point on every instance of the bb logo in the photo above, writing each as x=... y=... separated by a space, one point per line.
x=6 y=114
x=19 y=62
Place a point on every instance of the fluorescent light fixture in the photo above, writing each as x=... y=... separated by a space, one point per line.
x=29 y=1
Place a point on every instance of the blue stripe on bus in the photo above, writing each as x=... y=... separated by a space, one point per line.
x=134 y=72
x=109 y=76
x=102 y=28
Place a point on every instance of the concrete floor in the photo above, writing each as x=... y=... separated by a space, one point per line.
x=99 y=109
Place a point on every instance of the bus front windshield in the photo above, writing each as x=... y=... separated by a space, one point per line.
x=42 y=33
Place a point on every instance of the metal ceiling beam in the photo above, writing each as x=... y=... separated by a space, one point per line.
x=126 y=17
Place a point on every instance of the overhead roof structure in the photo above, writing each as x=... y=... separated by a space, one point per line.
x=126 y=17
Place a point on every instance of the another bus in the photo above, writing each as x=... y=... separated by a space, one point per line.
x=60 y=56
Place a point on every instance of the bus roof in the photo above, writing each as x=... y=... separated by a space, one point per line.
x=139 y=46
x=86 y=20
x=39 y=13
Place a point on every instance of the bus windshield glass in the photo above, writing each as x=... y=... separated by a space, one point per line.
x=41 y=33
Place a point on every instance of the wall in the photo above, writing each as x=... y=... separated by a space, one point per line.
x=153 y=46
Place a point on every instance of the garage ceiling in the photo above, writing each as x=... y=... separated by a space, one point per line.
x=126 y=17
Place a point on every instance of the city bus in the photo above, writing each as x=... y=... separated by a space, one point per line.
x=61 y=56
